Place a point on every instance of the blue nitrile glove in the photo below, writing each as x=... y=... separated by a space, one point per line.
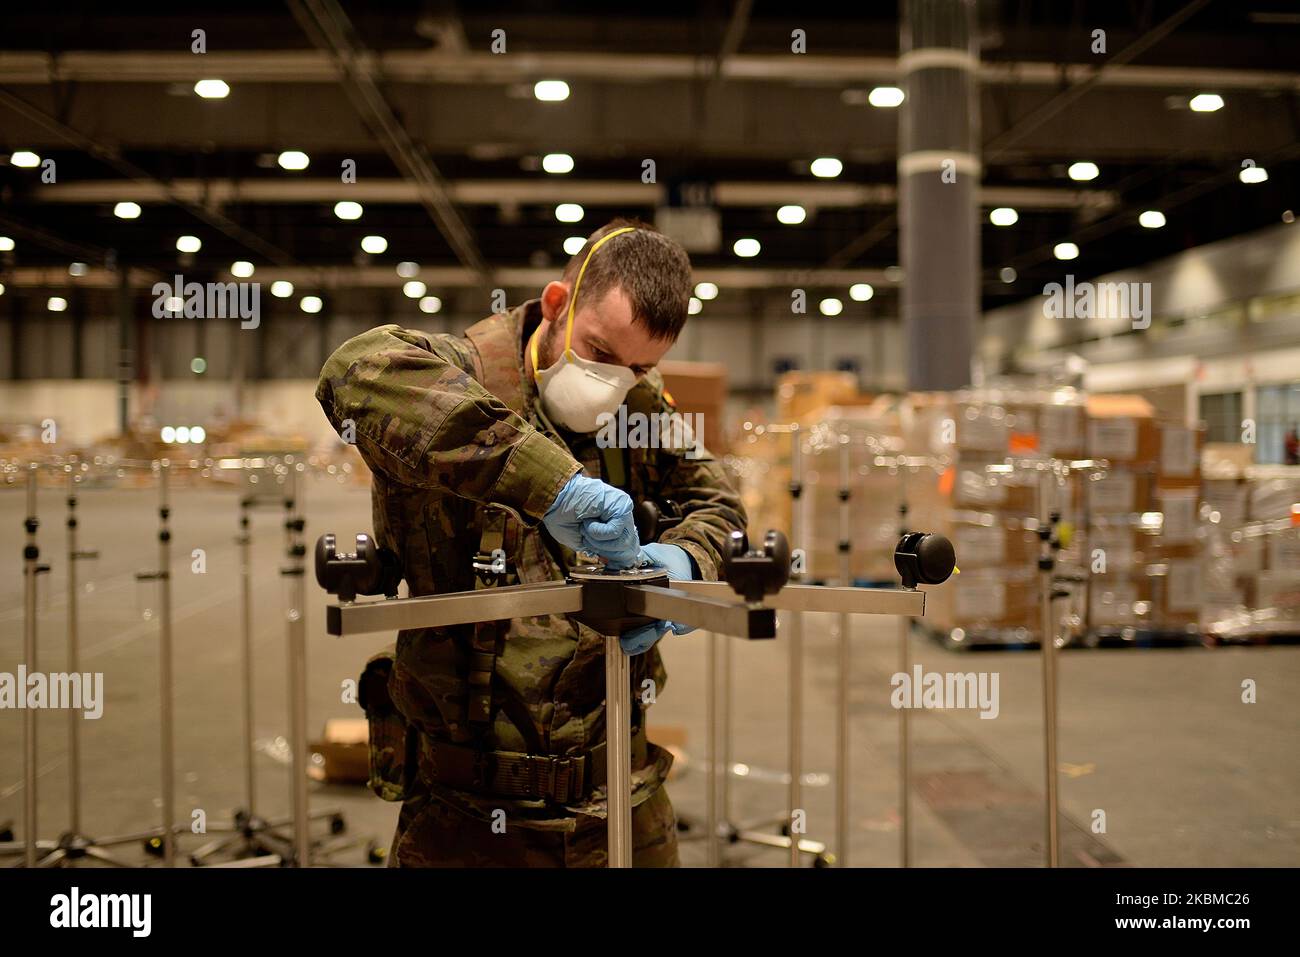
x=590 y=516
x=680 y=567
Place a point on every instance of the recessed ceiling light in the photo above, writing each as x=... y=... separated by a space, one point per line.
x=373 y=244
x=1065 y=251
x=861 y=291
x=241 y=269
x=24 y=158
x=1253 y=174
x=76 y=269
x=694 y=307
x=1152 y=219
x=557 y=163
x=791 y=215
x=1083 y=171
x=127 y=210
x=6 y=244
x=347 y=209
x=293 y=159
x=282 y=289
x=414 y=289
x=551 y=91
x=569 y=213
x=189 y=244
x=311 y=304
x=827 y=167
x=1206 y=102
x=747 y=248
x=831 y=306
x=706 y=290
x=1003 y=216
x=430 y=304
x=56 y=304
x=1007 y=275
x=408 y=269
x=573 y=245
x=885 y=96
x=212 y=89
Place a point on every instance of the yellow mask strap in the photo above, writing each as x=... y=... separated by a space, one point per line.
x=573 y=300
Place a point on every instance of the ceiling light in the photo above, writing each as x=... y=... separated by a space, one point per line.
x=1253 y=174
x=557 y=163
x=182 y=434
x=414 y=289
x=197 y=433
x=241 y=269
x=551 y=91
x=282 y=289
x=573 y=245
x=373 y=244
x=76 y=269
x=212 y=89
x=694 y=306
x=1065 y=251
x=198 y=365
x=706 y=290
x=408 y=269
x=174 y=305
x=1152 y=219
x=430 y=304
x=56 y=304
x=1083 y=171
x=569 y=213
x=1007 y=275
x=6 y=244
x=885 y=96
x=827 y=167
x=2 y=289
x=746 y=248
x=293 y=159
x=861 y=291
x=791 y=215
x=24 y=158
x=311 y=304
x=127 y=210
x=1206 y=102
x=831 y=307
x=346 y=209
x=167 y=434
x=189 y=244
x=1003 y=216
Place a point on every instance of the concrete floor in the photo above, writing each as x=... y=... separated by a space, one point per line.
x=1159 y=740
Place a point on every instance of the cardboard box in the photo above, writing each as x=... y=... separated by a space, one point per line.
x=991 y=540
x=1181 y=511
x=984 y=599
x=1180 y=456
x=1122 y=430
x=699 y=387
x=1180 y=592
x=1280 y=591
x=1119 y=491
x=345 y=748
x=1118 y=601
x=800 y=395
x=1275 y=494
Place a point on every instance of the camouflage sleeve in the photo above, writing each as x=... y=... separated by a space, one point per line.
x=421 y=419
x=710 y=504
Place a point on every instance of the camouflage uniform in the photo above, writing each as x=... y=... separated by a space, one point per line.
x=459 y=447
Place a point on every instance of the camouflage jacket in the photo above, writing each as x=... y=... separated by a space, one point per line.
x=454 y=435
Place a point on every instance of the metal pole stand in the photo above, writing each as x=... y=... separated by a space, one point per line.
x=30 y=845
x=1049 y=516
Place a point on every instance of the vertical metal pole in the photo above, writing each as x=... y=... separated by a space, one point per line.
x=842 y=769
x=724 y=705
x=246 y=622
x=795 y=621
x=904 y=714
x=618 y=752
x=31 y=556
x=74 y=724
x=297 y=621
x=1048 y=642
x=711 y=723
x=165 y=669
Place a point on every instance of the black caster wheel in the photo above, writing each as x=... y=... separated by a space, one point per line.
x=683 y=827
x=337 y=824
x=154 y=846
x=785 y=830
x=6 y=834
x=376 y=854
x=824 y=860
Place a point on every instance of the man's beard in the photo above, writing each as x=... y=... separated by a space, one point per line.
x=549 y=347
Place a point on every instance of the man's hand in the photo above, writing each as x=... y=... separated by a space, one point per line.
x=590 y=516
x=680 y=567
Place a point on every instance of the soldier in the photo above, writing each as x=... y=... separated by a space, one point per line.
x=485 y=445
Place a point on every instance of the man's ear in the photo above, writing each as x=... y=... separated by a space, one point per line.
x=555 y=301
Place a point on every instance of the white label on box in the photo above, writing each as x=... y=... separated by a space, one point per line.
x=1278 y=590
x=980 y=544
x=1060 y=428
x=1115 y=544
x=1114 y=493
x=982 y=430
x=1113 y=438
x=1183 y=590
x=974 y=488
x=1284 y=550
x=1111 y=603
x=980 y=598
x=1178 y=452
x=1179 y=509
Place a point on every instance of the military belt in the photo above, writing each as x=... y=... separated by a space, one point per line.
x=562 y=779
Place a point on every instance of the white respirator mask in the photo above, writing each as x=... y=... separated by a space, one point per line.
x=576 y=392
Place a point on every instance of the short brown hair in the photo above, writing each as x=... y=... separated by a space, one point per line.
x=651 y=269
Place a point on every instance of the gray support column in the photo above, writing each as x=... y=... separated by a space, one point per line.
x=125 y=356
x=938 y=180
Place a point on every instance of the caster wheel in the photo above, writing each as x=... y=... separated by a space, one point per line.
x=7 y=835
x=785 y=830
x=683 y=827
x=154 y=846
x=824 y=860
x=337 y=824
x=376 y=854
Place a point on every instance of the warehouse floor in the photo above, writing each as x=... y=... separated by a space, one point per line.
x=1159 y=740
